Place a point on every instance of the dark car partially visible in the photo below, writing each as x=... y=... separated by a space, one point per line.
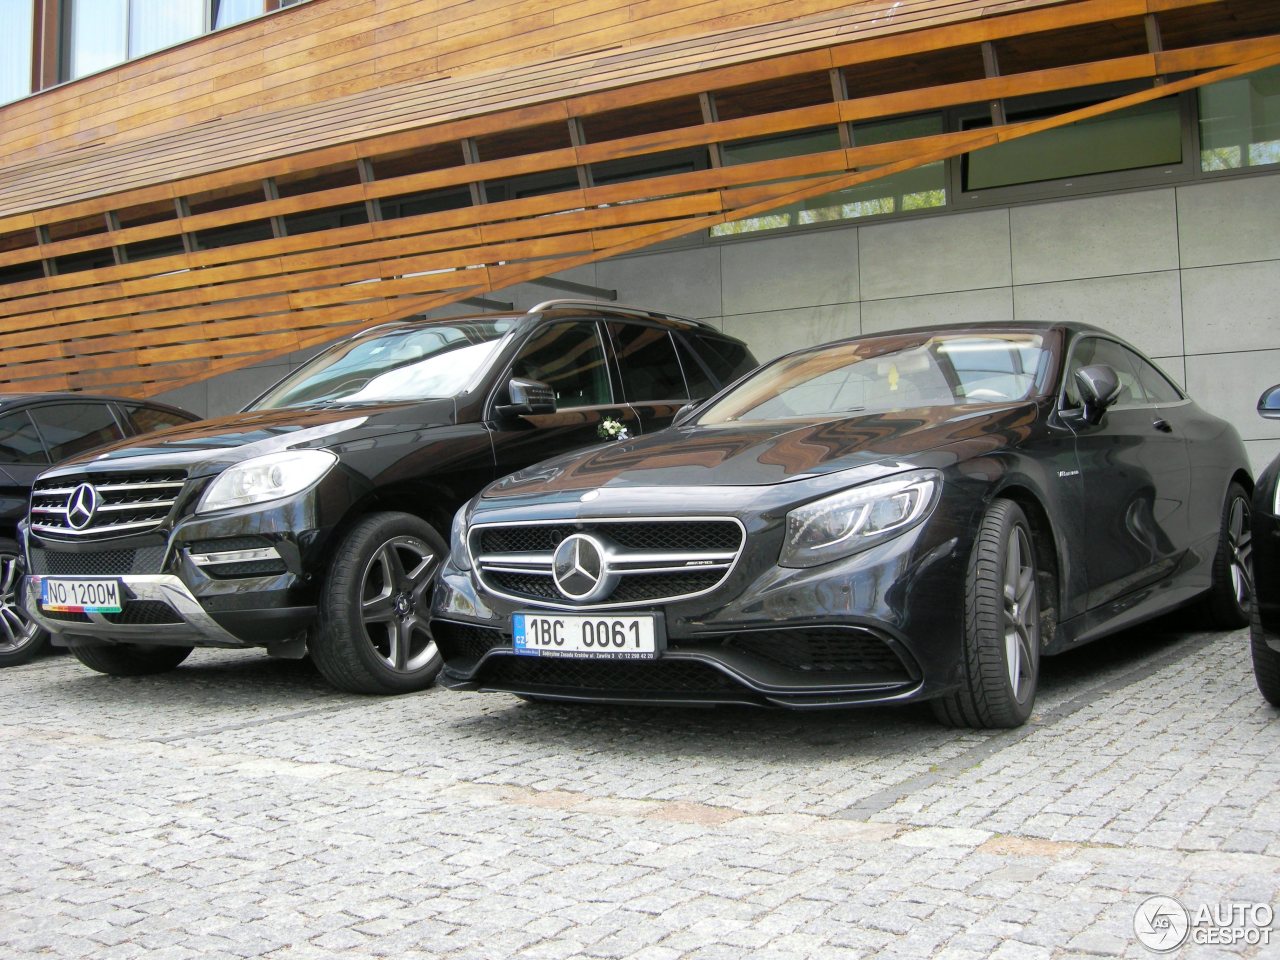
x=1265 y=550
x=38 y=430
x=919 y=515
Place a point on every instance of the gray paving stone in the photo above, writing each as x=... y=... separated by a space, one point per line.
x=239 y=808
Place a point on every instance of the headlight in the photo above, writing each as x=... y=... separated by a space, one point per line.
x=853 y=520
x=266 y=478
x=458 y=555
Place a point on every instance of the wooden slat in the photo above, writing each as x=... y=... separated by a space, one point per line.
x=931 y=98
x=511 y=86
x=133 y=327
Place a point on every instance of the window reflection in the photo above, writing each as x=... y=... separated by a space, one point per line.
x=15 y=49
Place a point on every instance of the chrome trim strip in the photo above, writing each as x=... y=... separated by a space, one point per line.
x=89 y=531
x=234 y=556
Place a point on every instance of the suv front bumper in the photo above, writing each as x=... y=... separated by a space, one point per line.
x=187 y=622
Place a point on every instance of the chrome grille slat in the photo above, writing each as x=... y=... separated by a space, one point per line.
x=655 y=560
x=128 y=503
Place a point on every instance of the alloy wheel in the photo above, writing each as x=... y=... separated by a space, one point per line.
x=394 y=597
x=1021 y=614
x=1240 y=544
x=16 y=628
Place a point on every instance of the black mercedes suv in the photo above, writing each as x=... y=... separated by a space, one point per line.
x=314 y=520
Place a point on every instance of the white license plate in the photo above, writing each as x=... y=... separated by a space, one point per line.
x=80 y=596
x=585 y=637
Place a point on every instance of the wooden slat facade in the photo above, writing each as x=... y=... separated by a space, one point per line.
x=86 y=313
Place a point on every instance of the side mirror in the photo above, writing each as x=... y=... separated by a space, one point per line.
x=527 y=397
x=1099 y=387
x=685 y=412
x=1268 y=403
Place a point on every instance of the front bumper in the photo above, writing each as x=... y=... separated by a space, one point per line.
x=175 y=616
x=238 y=579
x=839 y=635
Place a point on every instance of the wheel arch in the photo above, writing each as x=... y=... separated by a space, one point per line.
x=435 y=503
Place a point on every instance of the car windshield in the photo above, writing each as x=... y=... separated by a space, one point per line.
x=414 y=363
x=889 y=373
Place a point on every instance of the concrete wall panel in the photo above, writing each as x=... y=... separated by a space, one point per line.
x=1224 y=383
x=1143 y=308
x=1094 y=237
x=1229 y=221
x=935 y=255
x=685 y=282
x=774 y=333
x=781 y=273
x=970 y=306
x=1234 y=307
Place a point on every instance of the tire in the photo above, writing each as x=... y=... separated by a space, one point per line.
x=1229 y=600
x=372 y=634
x=129 y=659
x=1001 y=643
x=1266 y=662
x=21 y=638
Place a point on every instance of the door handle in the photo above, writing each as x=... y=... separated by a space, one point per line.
x=1163 y=426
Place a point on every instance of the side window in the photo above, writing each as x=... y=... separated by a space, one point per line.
x=1157 y=387
x=146 y=419
x=71 y=428
x=647 y=357
x=700 y=383
x=1124 y=363
x=19 y=442
x=727 y=359
x=569 y=357
x=1096 y=350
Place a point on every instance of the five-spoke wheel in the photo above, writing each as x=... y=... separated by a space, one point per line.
x=21 y=638
x=1230 y=599
x=1001 y=642
x=372 y=634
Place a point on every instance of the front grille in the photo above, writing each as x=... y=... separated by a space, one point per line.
x=119 y=503
x=823 y=651
x=461 y=640
x=645 y=677
x=525 y=585
x=653 y=561
x=100 y=563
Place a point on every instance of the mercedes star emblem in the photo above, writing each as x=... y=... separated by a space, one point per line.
x=580 y=569
x=81 y=506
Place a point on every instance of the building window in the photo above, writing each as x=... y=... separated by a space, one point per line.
x=1146 y=135
x=15 y=48
x=98 y=34
x=227 y=13
x=918 y=189
x=1240 y=122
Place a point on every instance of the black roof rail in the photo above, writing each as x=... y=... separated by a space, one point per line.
x=607 y=307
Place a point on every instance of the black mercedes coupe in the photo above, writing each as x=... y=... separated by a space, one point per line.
x=1265 y=550
x=919 y=515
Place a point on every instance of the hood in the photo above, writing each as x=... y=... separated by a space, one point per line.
x=217 y=443
x=776 y=451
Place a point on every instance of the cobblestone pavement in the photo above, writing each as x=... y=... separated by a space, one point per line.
x=237 y=807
